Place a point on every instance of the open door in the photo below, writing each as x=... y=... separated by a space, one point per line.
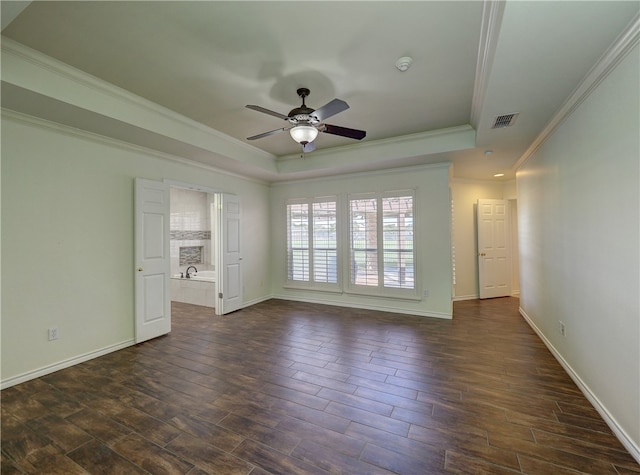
x=228 y=255
x=152 y=262
x=494 y=255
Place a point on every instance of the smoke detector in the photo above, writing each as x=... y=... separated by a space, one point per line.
x=404 y=63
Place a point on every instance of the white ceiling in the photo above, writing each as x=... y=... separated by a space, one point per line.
x=206 y=60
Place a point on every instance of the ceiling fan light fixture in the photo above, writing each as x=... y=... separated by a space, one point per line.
x=303 y=133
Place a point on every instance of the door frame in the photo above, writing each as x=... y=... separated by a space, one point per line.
x=489 y=258
x=218 y=238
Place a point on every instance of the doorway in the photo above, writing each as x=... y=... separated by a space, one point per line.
x=497 y=241
x=154 y=274
x=212 y=227
x=192 y=238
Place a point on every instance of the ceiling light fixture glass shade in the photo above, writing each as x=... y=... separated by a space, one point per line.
x=304 y=133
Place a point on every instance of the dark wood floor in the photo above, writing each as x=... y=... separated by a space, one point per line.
x=294 y=388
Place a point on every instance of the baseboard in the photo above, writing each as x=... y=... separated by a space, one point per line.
x=249 y=303
x=380 y=308
x=52 y=368
x=458 y=298
x=515 y=293
x=629 y=444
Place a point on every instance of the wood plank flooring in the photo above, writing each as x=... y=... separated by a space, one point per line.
x=295 y=388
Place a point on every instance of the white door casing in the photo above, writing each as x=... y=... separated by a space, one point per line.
x=494 y=254
x=152 y=261
x=228 y=255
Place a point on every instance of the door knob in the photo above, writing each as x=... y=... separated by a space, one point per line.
x=140 y=269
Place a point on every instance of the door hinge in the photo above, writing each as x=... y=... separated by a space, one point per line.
x=219 y=295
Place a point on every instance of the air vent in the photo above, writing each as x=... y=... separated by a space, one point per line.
x=506 y=120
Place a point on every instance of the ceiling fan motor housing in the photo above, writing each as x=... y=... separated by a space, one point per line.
x=302 y=115
x=299 y=116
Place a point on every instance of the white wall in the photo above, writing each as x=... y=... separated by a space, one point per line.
x=67 y=241
x=578 y=208
x=433 y=236
x=465 y=194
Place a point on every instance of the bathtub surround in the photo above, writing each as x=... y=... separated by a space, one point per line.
x=189 y=235
x=199 y=289
x=191 y=230
x=190 y=255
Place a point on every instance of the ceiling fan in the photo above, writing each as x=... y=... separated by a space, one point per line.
x=306 y=123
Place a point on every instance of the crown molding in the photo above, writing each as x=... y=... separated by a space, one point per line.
x=406 y=151
x=481 y=181
x=627 y=40
x=350 y=176
x=417 y=138
x=82 y=78
x=123 y=145
x=38 y=74
x=47 y=79
x=492 y=12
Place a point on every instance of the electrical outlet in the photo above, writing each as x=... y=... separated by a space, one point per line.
x=562 y=329
x=53 y=333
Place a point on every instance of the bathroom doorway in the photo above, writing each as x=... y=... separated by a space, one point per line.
x=204 y=247
x=192 y=235
x=160 y=277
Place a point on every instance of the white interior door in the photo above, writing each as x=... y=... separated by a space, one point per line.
x=152 y=298
x=494 y=256
x=228 y=255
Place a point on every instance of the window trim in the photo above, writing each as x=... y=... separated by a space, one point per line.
x=380 y=290
x=311 y=284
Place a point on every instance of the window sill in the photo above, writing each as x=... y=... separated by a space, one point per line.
x=355 y=292
x=329 y=288
x=385 y=294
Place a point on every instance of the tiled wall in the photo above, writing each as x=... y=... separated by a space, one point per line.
x=191 y=231
x=190 y=255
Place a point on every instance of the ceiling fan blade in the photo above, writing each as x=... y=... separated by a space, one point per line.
x=344 y=131
x=330 y=109
x=309 y=147
x=266 y=111
x=266 y=134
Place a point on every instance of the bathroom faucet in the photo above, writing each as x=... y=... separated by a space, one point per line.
x=187 y=271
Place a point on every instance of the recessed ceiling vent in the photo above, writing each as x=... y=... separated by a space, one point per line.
x=506 y=120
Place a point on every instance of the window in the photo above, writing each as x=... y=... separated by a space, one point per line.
x=381 y=241
x=312 y=244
